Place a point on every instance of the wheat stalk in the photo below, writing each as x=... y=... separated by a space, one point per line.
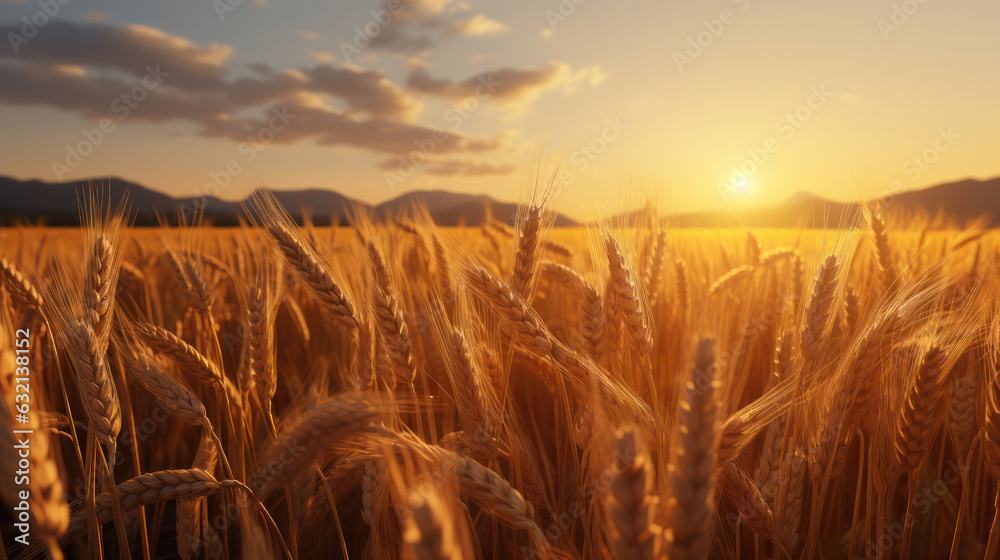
x=189 y=519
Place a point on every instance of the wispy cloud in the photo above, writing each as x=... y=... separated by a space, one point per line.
x=505 y=85
x=480 y=24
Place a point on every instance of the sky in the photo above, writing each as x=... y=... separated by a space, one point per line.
x=694 y=105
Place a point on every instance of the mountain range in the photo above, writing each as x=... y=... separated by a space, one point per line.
x=56 y=204
x=34 y=201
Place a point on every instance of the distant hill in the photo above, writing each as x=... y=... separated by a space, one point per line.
x=57 y=204
x=962 y=201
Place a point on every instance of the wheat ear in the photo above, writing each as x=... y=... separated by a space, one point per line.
x=775 y=256
x=753 y=249
x=626 y=292
x=489 y=490
x=299 y=443
x=191 y=360
x=922 y=411
x=516 y=312
x=818 y=316
x=558 y=249
x=526 y=258
x=592 y=332
x=793 y=476
x=730 y=278
x=883 y=252
x=362 y=376
x=172 y=393
x=631 y=502
x=315 y=275
x=682 y=290
x=654 y=269
x=391 y=325
x=749 y=501
x=474 y=408
x=21 y=290
x=691 y=470
x=962 y=423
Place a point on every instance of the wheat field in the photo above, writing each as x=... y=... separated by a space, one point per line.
x=395 y=389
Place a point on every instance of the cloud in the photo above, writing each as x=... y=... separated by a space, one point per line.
x=321 y=56
x=68 y=87
x=366 y=90
x=418 y=10
x=97 y=71
x=129 y=49
x=479 y=24
x=454 y=167
x=395 y=39
x=415 y=62
x=96 y=17
x=415 y=26
x=309 y=35
x=504 y=84
x=591 y=75
x=327 y=127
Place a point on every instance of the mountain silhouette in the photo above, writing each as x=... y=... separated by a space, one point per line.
x=961 y=201
x=56 y=204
